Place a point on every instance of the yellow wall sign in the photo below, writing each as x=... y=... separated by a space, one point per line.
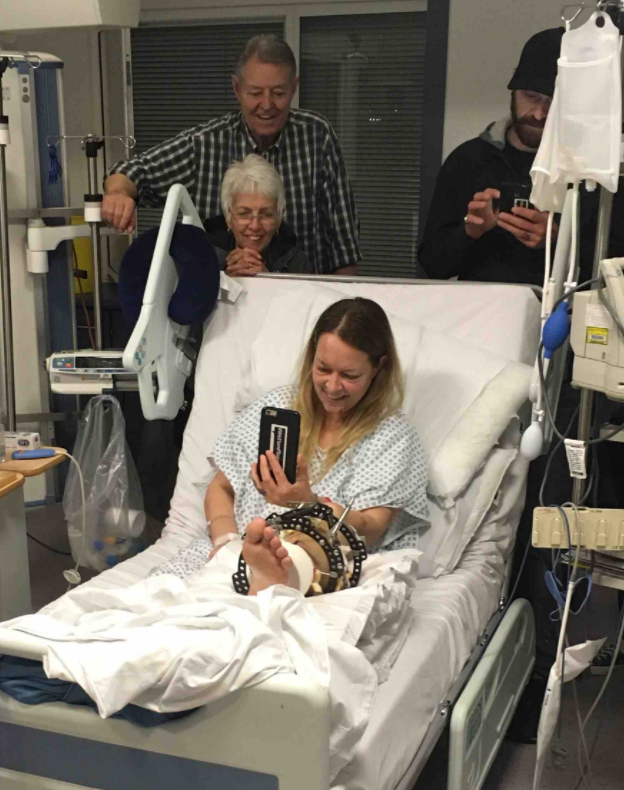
x=597 y=335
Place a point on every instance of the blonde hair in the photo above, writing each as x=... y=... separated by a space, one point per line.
x=363 y=325
x=253 y=174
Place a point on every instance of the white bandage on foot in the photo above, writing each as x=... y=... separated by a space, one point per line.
x=302 y=572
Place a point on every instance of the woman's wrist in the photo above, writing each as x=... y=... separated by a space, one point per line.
x=223 y=539
x=224 y=524
x=312 y=499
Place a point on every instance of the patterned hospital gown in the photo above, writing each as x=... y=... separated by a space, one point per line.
x=386 y=469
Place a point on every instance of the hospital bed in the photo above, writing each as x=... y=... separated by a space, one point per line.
x=466 y=657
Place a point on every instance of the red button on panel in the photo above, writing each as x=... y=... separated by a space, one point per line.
x=68 y=364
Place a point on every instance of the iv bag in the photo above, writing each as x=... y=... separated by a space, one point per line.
x=582 y=134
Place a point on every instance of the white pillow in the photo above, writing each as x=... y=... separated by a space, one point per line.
x=465 y=448
x=458 y=397
x=451 y=529
x=274 y=354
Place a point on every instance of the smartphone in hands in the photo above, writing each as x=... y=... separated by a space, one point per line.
x=279 y=432
x=514 y=194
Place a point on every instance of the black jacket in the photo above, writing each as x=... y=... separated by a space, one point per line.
x=447 y=251
x=282 y=255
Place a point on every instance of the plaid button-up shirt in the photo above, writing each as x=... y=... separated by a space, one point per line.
x=319 y=200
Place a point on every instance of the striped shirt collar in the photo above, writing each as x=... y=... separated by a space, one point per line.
x=244 y=127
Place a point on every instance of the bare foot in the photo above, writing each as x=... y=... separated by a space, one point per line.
x=265 y=556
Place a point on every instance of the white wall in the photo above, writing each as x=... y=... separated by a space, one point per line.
x=485 y=41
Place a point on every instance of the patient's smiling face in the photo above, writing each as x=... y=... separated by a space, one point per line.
x=341 y=374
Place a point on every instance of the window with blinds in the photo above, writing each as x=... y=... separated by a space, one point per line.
x=366 y=74
x=181 y=78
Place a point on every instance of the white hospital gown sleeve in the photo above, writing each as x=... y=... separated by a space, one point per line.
x=390 y=470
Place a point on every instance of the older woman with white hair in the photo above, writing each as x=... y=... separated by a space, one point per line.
x=251 y=236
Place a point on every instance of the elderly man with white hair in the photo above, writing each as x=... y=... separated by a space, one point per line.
x=251 y=235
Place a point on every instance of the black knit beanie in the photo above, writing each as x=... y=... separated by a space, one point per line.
x=537 y=69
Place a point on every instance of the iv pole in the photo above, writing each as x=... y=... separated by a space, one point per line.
x=93 y=202
x=5 y=260
x=600 y=252
x=93 y=214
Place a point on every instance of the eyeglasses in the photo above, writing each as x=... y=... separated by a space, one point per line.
x=263 y=217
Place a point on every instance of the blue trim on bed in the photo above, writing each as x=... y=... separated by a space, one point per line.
x=107 y=766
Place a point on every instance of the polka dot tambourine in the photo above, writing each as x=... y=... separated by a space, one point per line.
x=337 y=557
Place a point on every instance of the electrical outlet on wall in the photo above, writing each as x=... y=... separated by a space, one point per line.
x=601 y=529
x=6 y=93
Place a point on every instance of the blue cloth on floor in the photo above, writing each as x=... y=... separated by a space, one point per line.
x=25 y=681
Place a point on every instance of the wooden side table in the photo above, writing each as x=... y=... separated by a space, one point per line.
x=14 y=574
x=34 y=466
x=15 y=597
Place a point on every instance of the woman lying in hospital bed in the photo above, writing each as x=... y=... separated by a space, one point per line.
x=356 y=446
x=168 y=644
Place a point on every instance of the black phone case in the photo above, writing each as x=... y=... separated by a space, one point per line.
x=514 y=194
x=279 y=432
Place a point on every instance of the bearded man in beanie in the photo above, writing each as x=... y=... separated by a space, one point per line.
x=466 y=235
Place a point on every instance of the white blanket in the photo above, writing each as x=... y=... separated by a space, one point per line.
x=170 y=645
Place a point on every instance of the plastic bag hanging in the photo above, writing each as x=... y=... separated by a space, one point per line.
x=581 y=139
x=115 y=519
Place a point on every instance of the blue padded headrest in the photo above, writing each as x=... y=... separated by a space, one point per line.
x=198 y=275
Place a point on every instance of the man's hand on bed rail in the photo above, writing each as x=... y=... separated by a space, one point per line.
x=275 y=487
x=119 y=203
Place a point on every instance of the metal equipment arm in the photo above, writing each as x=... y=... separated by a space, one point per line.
x=155 y=350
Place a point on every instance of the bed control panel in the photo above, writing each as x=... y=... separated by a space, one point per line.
x=599 y=529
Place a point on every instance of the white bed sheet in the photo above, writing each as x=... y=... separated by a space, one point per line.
x=451 y=613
